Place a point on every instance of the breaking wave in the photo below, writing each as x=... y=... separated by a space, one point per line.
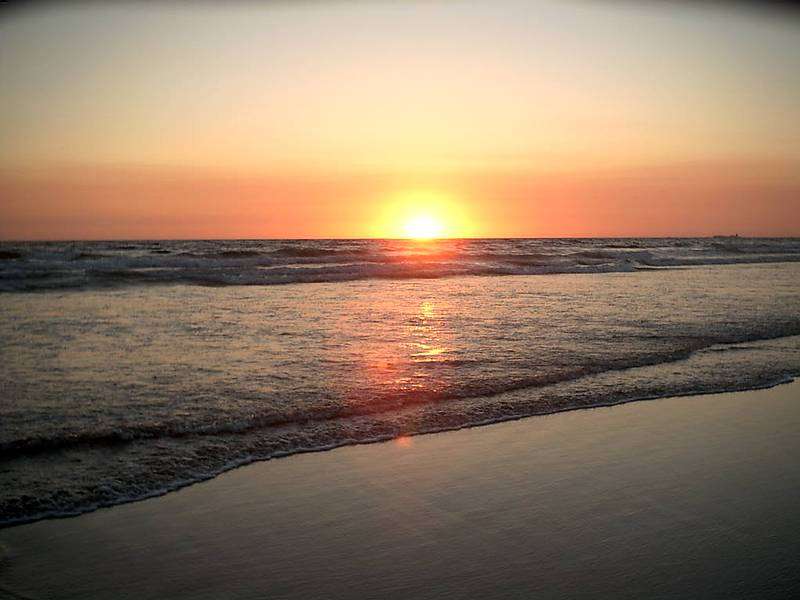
x=52 y=266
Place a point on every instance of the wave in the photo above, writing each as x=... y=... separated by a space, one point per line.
x=89 y=256
x=309 y=415
x=305 y=252
x=223 y=254
x=251 y=446
x=86 y=269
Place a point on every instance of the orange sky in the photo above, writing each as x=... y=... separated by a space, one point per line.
x=336 y=119
x=682 y=200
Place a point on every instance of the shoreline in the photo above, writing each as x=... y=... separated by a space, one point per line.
x=180 y=485
x=564 y=479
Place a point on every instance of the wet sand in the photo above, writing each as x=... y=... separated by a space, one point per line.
x=681 y=497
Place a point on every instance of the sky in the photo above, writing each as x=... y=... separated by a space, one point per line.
x=353 y=118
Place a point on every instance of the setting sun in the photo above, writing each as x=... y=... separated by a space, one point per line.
x=423 y=227
x=422 y=214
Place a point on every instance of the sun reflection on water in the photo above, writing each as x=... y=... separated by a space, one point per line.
x=427 y=331
x=410 y=362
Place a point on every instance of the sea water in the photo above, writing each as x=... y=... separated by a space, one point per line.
x=128 y=369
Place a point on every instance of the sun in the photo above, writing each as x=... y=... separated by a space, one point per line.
x=421 y=215
x=423 y=227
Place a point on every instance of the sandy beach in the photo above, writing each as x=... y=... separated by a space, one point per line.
x=673 y=498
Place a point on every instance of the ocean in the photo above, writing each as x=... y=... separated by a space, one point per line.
x=129 y=369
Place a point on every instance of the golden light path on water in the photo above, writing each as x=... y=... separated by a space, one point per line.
x=410 y=358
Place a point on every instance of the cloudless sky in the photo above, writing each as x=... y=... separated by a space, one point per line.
x=310 y=118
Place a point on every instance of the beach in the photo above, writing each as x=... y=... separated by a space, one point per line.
x=672 y=498
x=399 y=300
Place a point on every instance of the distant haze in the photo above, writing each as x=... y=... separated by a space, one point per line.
x=304 y=119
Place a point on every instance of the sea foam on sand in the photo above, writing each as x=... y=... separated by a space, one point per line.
x=673 y=498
